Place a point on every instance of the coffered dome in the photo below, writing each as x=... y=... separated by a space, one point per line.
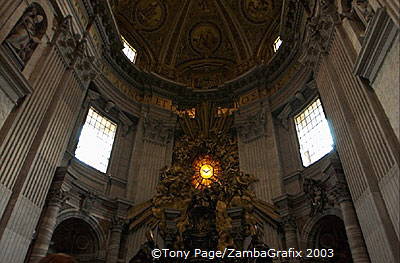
x=200 y=43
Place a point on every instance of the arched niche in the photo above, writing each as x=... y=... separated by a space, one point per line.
x=26 y=34
x=75 y=236
x=328 y=231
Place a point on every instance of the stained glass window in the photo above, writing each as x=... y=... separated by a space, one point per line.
x=96 y=141
x=313 y=131
x=277 y=43
x=129 y=51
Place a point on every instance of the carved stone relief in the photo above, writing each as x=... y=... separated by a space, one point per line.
x=319 y=31
x=27 y=33
x=317 y=194
x=87 y=202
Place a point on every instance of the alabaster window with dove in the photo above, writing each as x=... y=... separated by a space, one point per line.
x=206 y=171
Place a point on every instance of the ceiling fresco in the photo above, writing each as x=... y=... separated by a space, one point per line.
x=199 y=43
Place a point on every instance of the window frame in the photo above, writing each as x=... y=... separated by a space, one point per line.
x=82 y=122
x=303 y=107
x=277 y=39
x=124 y=41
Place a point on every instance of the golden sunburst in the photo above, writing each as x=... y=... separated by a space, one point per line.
x=207 y=170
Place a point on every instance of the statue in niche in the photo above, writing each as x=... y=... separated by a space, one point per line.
x=363 y=10
x=27 y=33
x=316 y=193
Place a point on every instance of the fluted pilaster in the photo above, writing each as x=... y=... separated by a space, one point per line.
x=258 y=149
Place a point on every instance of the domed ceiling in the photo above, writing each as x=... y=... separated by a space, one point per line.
x=200 y=43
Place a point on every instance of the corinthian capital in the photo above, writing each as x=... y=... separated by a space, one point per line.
x=340 y=192
x=289 y=221
x=117 y=223
x=57 y=197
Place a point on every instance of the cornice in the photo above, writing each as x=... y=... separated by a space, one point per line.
x=380 y=34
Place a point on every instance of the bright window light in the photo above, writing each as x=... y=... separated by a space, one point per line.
x=277 y=44
x=313 y=132
x=129 y=51
x=96 y=141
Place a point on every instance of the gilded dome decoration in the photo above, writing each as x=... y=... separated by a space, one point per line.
x=257 y=11
x=150 y=14
x=205 y=38
x=200 y=43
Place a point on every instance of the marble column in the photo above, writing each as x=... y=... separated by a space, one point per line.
x=55 y=201
x=115 y=240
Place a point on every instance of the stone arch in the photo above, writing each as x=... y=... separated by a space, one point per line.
x=306 y=232
x=327 y=231
x=91 y=221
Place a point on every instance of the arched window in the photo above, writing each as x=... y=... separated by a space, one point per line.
x=129 y=51
x=27 y=34
x=313 y=132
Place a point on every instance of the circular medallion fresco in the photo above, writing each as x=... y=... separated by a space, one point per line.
x=256 y=10
x=150 y=14
x=205 y=38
